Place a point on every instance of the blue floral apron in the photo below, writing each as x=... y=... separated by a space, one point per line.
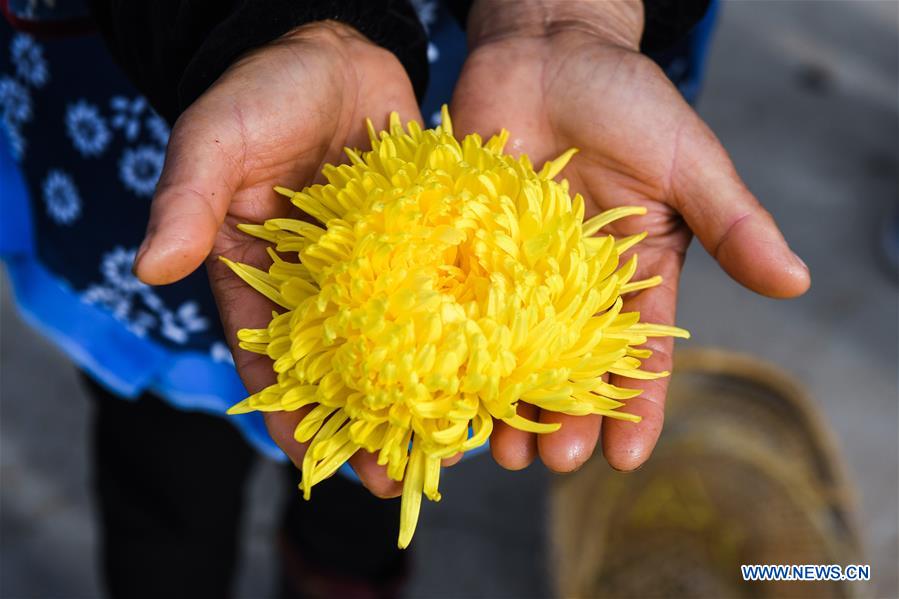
x=80 y=153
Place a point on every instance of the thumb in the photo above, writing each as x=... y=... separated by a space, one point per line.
x=201 y=173
x=729 y=221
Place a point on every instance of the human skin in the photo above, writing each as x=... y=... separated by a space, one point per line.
x=273 y=118
x=281 y=112
x=559 y=75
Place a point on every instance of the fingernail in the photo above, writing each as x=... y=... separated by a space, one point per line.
x=144 y=246
x=800 y=260
x=632 y=470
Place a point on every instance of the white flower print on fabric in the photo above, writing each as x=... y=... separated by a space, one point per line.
x=109 y=298
x=127 y=115
x=140 y=167
x=433 y=53
x=15 y=101
x=153 y=301
x=220 y=353
x=61 y=197
x=15 y=137
x=158 y=129
x=87 y=128
x=119 y=304
x=116 y=268
x=32 y=9
x=28 y=59
x=426 y=11
x=176 y=326
x=188 y=316
x=137 y=305
x=171 y=331
x=15 y=110
x=141 y=323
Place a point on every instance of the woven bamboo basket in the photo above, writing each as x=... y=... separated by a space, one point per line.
x=745 y=473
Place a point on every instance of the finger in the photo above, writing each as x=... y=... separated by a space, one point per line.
x=566 y=449
x=374 y=477
x=511 y=448
x=378 y=100
x=240 y=306
x=452 y=460
x=626 y=445
x=203 y=168
x=281 y=426
x=729 y=221
x=475 y=111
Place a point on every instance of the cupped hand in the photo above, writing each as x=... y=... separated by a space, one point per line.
x=273 y=118
x=580 y=81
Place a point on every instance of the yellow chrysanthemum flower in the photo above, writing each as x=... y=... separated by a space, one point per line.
x=447 y=282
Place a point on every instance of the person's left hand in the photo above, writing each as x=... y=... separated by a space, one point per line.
x=557 y=81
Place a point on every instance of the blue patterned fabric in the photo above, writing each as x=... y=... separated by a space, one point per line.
x=56 y=10
x=81 y=154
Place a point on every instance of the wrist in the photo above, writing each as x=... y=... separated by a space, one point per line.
x=338 y=46
x=615 y=22
x=327 y=31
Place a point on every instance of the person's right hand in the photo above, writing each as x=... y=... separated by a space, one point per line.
x=273 y=118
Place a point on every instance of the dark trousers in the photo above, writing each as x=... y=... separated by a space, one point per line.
x=170 y=488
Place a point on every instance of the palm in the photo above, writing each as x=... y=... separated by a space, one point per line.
x=639 y=143
x=273 y=119
x=278 y=114
x=291 y=135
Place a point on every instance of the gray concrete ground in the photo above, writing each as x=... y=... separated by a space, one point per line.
x=804 y=94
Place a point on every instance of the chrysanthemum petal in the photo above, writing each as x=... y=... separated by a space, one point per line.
x=640 y=285
x=556 y=166
x=446 y=282
x=523 y=424
x=413 y=483
x=659 y=330
x=259 y=280
x=609 y=216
